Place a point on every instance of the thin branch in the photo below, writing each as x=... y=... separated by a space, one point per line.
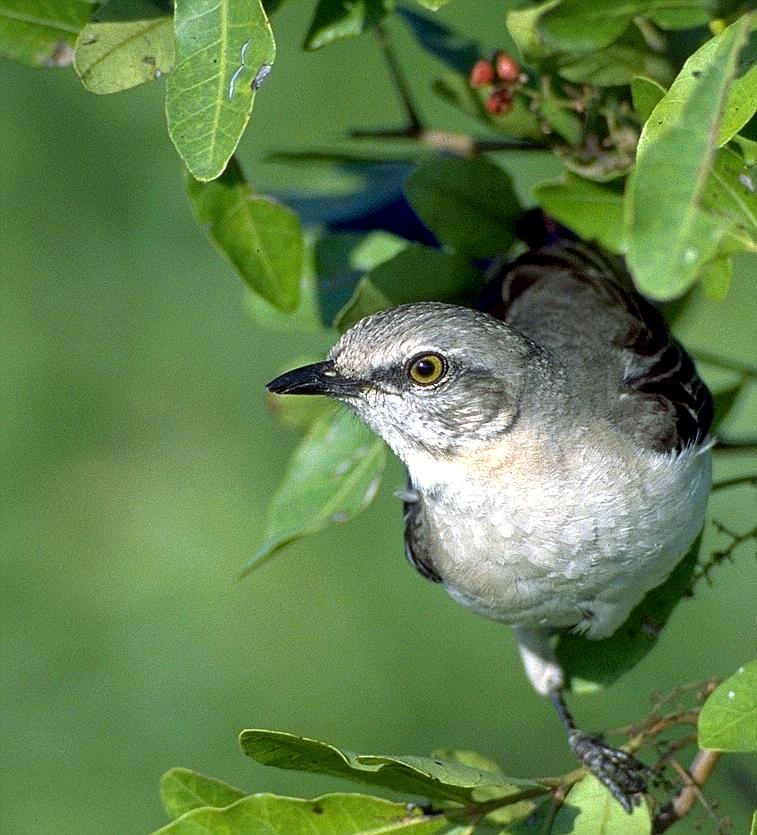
x=461 y=144
x=694 y=779
x=414 y=124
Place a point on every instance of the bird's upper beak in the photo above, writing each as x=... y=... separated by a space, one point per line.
x=319 y=378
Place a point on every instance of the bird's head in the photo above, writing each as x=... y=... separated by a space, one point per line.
x=426 y=377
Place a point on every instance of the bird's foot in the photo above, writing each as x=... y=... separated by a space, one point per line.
x=624 y=775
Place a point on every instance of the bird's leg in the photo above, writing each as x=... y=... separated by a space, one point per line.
x=624 y=776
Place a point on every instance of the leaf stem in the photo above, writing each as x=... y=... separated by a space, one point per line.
x=414 y=124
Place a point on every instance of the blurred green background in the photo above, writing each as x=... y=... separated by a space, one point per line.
x=138 y=456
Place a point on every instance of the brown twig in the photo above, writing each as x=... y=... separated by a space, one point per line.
x=694 y=779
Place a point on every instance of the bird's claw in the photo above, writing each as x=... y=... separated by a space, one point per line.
x=624 y=775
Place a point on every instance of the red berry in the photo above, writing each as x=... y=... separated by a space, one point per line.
x=508 y=69
x=500 y=101
x=481 y=74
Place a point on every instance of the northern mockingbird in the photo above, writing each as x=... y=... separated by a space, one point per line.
x=557 y=453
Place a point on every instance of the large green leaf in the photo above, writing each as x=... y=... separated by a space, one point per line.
x=428 y=777
x=224 y=49
x=469 y=204
x=337 y=19
x=42 y=32
x=261 y=238
x=415 y=274
x=333 y=475
x=585 y=25
x=670 y=236
x=590 y=665
x=742 y=96
x=728 y=719
x=182 y=790
x=128 y=43
x=593 y=212
x=590 y=809
x=345 y=814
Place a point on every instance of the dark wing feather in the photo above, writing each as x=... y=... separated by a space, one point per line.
x=416 y=545
x=578 y=302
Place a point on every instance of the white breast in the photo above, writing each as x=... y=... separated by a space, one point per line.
x=540 y=539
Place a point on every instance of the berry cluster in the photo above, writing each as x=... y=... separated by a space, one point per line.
x=503 y=73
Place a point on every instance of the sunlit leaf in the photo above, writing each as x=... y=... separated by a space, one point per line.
x=591 y=665
x=128 y=43
x=469 y=204
x=434 y=5
x=424 y=776
x=584 y=25
x=523 y=26
x=346 y=814
x=336 y=19
x=223 y=51
x=670 y=236
x=182 y=790
x=42 y=32
x=592 y=211
x=415 y=274
x=333 y=474
x=742 y=96
x=306 y=318
x=728 y=719
x=590 y=809
x=261 y=238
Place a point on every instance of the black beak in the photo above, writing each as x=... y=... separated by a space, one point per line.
x=319 y=378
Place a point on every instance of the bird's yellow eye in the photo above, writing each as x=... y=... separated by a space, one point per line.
x=427 y=369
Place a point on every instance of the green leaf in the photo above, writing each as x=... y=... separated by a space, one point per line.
x=182 y=790
x=729 y=195
x=584 y=25
x=615 y=65
x=469 y=204
x=42 y=32
x=341 y=260
x=333 y=474
x=716 y=278
x=646 y=93
x=346 y=814
x=224 y=48
x=742 y=97
x=428 y=777
x=590 y=809
x=415 y=274
x=260 y=237
x=593 y=212
x=670 y=236
x=128 y=43
x=337 y=19
x=728 y=719
x=523 y=26
x=591 y=665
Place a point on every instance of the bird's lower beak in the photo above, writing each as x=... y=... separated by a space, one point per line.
x=319 y=378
